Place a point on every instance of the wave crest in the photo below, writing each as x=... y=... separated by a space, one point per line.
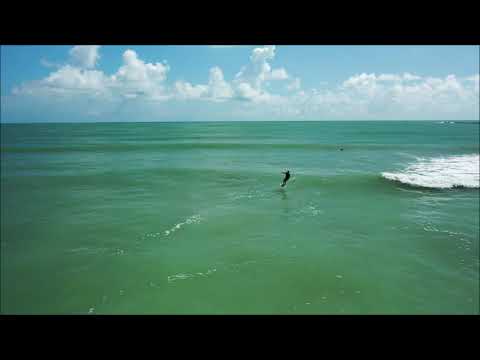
x=441 y=172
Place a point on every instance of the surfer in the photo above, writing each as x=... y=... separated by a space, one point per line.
x=287 y=176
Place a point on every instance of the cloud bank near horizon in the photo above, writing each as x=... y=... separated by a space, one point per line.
x=257 y=91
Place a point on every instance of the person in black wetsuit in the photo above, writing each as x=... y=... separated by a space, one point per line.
x=287 y=176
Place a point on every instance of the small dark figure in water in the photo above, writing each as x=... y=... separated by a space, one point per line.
x=341 y=149
x=287 y=176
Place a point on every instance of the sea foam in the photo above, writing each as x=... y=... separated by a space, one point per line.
x=195 y=219
x=441 y=172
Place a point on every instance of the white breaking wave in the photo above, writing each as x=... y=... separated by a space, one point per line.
x=441 y=172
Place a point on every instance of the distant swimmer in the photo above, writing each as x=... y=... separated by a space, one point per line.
x=341 y=149
x=287 y=176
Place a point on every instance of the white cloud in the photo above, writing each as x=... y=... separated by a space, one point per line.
x=359 y=80
x=388 y=77
x=218 y=87
x=84 y=56
x=67 y=80
x=475 y=79
x=278 y=74
x=136 y=70
x=396 y=77
x=261 y=55
x=137 y=77
x=246 y=91
x=410 y=77
x=185 y=90
x=247 y=85
x=249 y=81
x=361 y=96
x=368 y=80
x=363 y=84
x=48 y=64
x=69 y=77
x=393 y=96
x=294 y=85
x=133 y=79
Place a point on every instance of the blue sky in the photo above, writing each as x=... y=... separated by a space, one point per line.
x=191 y=83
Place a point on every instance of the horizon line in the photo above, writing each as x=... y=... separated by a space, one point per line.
x=224 y=121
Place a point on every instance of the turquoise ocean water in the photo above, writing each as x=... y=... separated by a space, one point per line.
x=189 y=218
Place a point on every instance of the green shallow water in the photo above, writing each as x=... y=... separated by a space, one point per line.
x=188 y=218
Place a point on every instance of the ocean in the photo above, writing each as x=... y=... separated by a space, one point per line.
x=190 y=218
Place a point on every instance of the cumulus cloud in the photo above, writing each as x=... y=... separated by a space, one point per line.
x=360 y=96
x=246 y=91
x=136 y=70
x=218 y=87
x=185 y=90
x=475 y=79
x=248 y=84
x=278 y=74
x=249 y=81
x=410 y=77
x=67 y=80
x=134 y=78
x=84 y=56
x=370 y=81
x=396 y=77
x=372 y=96
x=261 y=55
x=294 y=85
x=360 y=80
x=69 y=77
